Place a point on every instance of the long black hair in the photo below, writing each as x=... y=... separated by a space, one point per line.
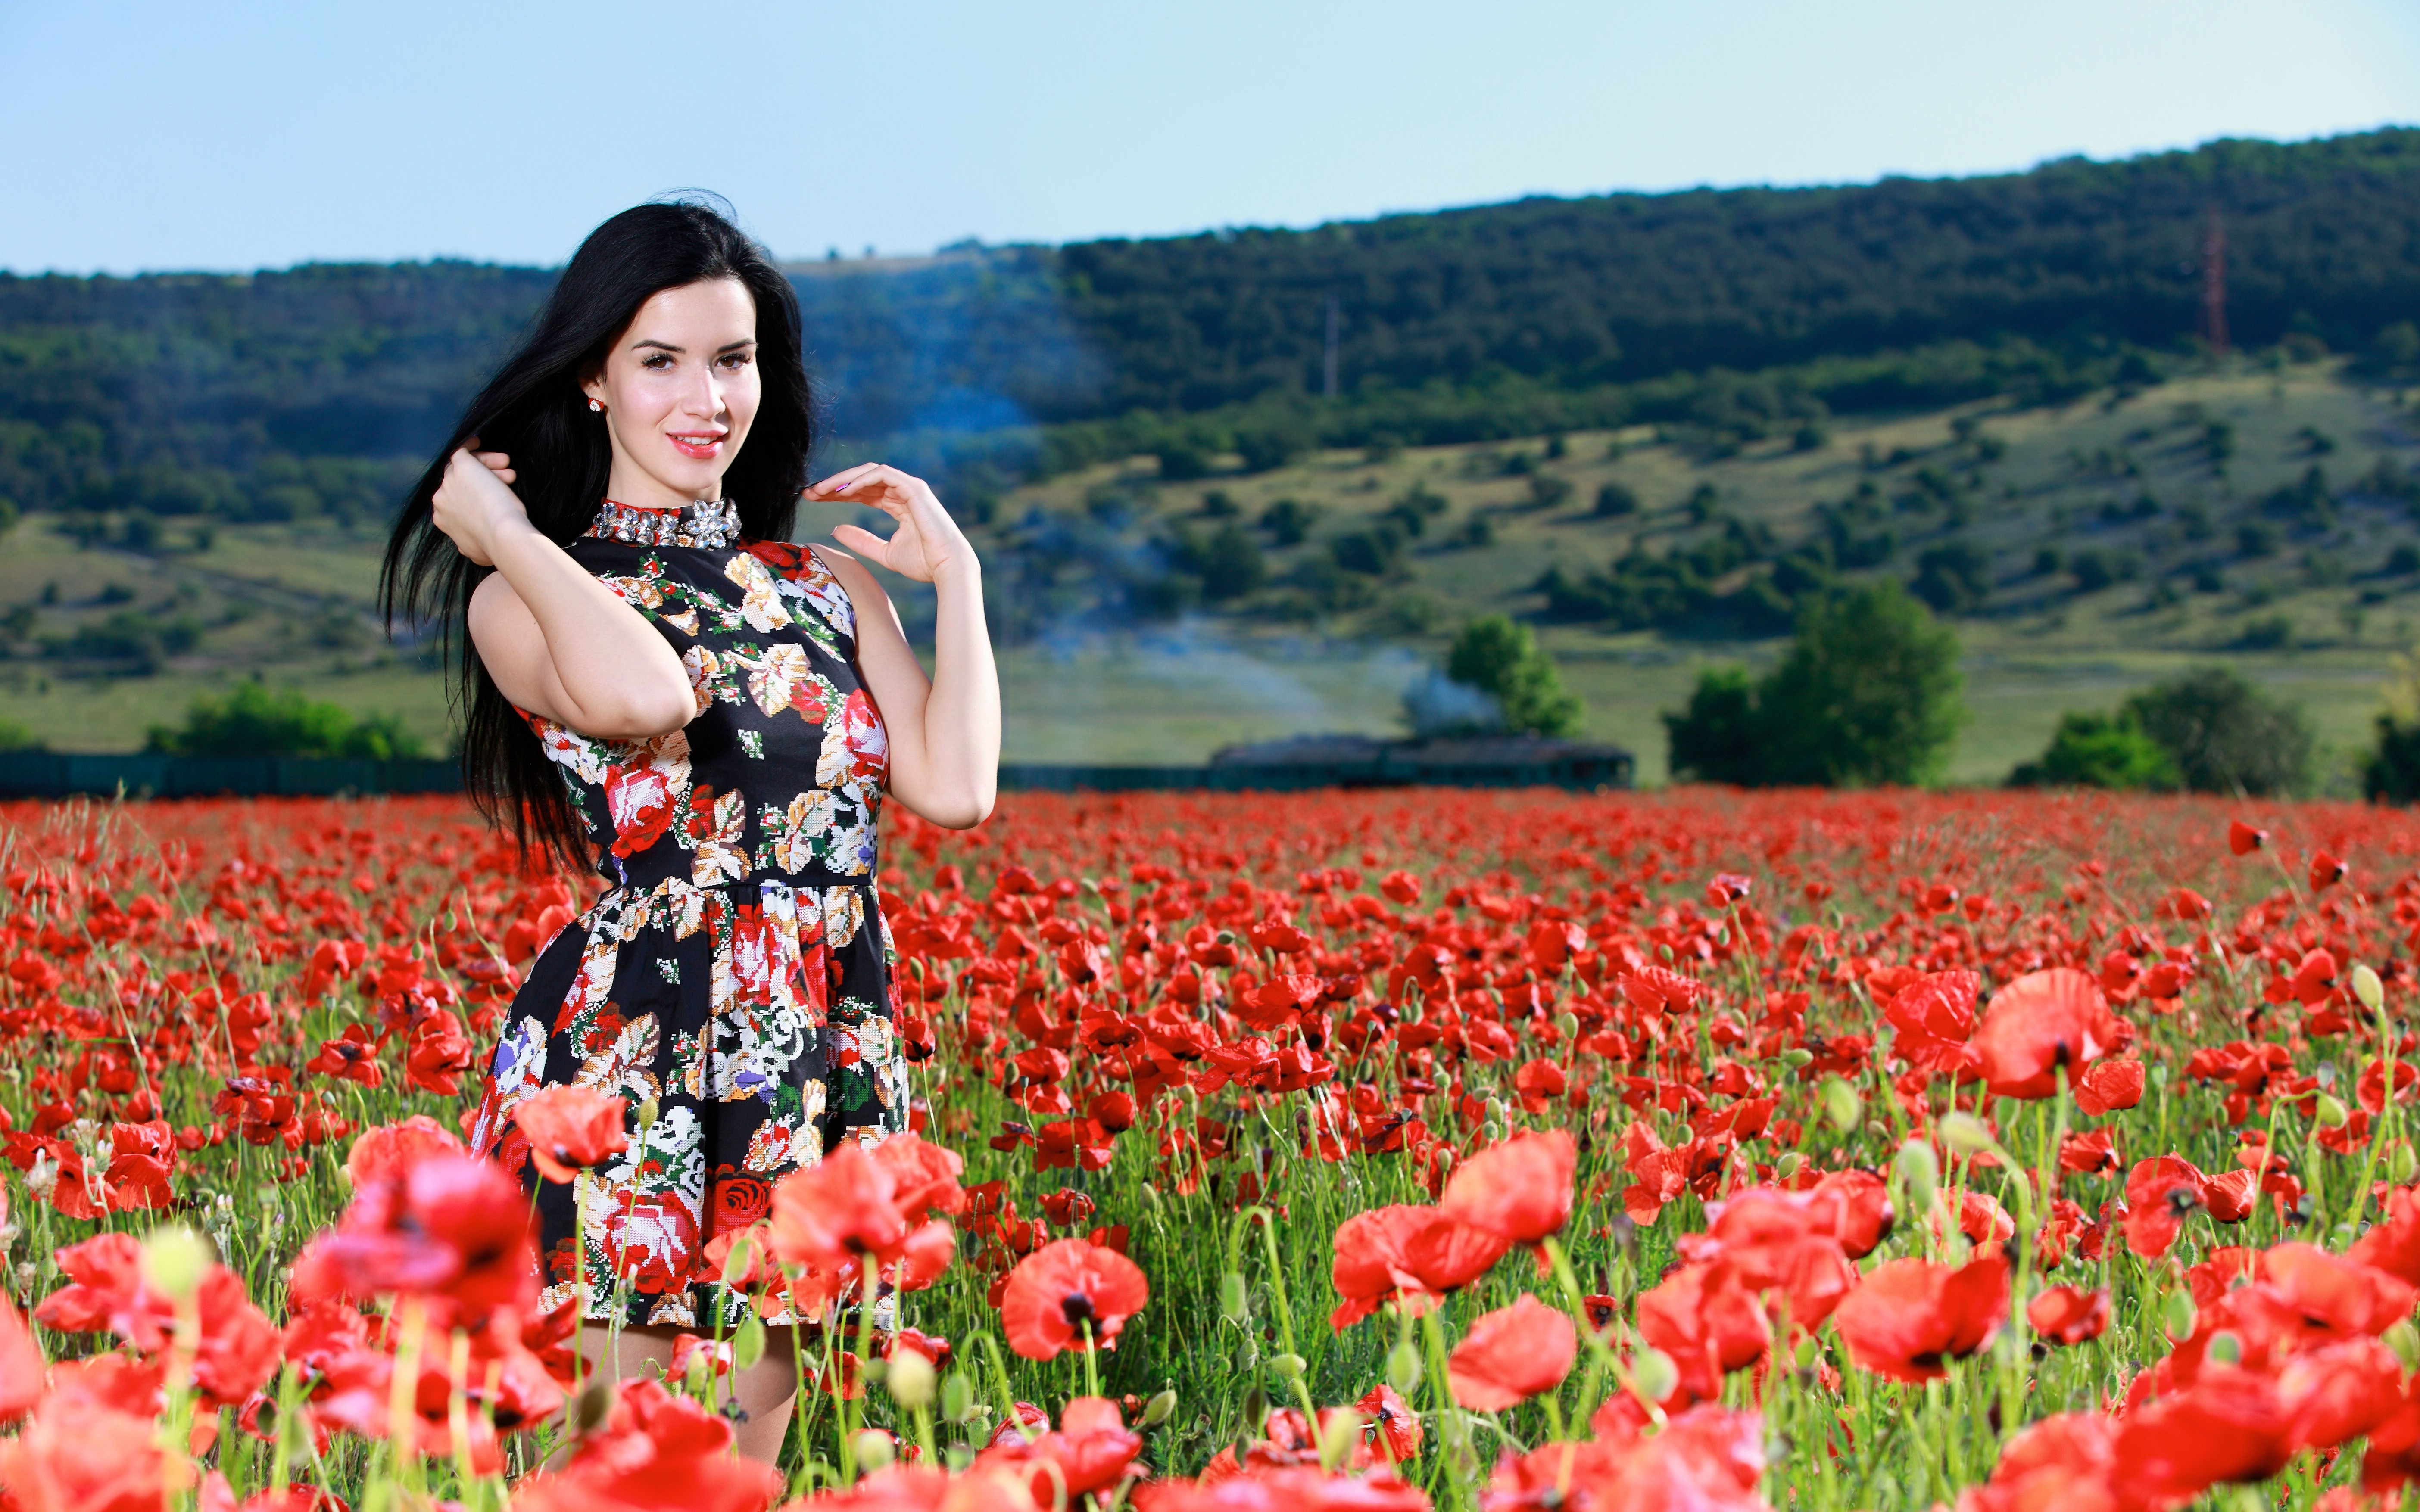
x=533 y=409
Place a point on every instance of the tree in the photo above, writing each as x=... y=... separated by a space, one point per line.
x=251 y=721
x=2100 y=751
x=2225 y=735
x=1715 y=739
x=1504 y=660
x=1954 y=577
x=1868 y=693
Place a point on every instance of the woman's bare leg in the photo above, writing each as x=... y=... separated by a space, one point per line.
x=766 y=1390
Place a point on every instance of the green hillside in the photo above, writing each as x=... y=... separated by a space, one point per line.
x=2081 y=549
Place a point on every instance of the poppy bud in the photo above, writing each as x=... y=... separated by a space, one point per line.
x=748 y=1343
x=737 y=1264
x=1235 y=1299
x=2226 y=1348
x=1247 y=1356
x=1808 y=1352
x=1403 y=1367
x=957 y=1399
x=910 y=1378
x=1966 y=1135
x=1568 y=1025
x=2405 y=1341
x=591 y=1406
x=1158 y=1410
x=2401 y=1163
x=1151 y=1196
x=1336 y=1437
x=1653 y=1375
x=873 y=1449
x=2181 y=1315
x=1919 y=1171
x=1796 y=1059
x=1787 y=1166
x=1840 y=1103
x=650 y=1111
x=2367 y=987
x=2330 y=1112
x=701 y=1371
x=1289 y=1366
x=1256 y=1408
x=174 y=1259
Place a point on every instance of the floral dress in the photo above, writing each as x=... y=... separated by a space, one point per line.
x=733 y=981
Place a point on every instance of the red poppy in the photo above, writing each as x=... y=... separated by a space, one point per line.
x=2392 y=1243
x=1092 y=1450
x=1775 y=1240
x=573 y=1127
x=2326 y=871
x=1392 y=1430
x=1067 y=1291
x=2160 y=1194
x=89 y=1449
x=2111 y=1087
x=1372 y=1267
x=1908 y=1316
x=2339 y=1391
x=2063 y=1461
x=1708 y=1324
x=656 y=1453
x=390 y=1149
x=838 y=1211
x=2069 y=1315
x=1520 y=1189
x=450 y=1225
x=2039 y=1023
x=2229 y=1426
x=22 y=1366
x=2244 y=840
x=238 y=1347
x=1855 y=1205
x=1933 y=1018
x=2343 y=1295
x=1512 y=1355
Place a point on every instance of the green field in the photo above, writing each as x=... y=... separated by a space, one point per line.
x=2317 y=617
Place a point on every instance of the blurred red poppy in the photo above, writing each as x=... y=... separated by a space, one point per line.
x=1907 y=1318
x=1512 y=1355
x=2069 y=1315
x=573 y=1127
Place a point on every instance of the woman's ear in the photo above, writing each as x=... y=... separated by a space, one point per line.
x=594 y=386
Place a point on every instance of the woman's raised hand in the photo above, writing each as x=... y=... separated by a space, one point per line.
x=927 y=541
x=473 y=504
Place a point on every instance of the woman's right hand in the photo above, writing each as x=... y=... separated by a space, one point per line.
x=474 y=504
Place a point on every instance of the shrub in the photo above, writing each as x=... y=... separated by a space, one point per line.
x=1182 y=462
x=2099 y=750
x=1228 y=561
x=1504 y=660
x=251 y=721
x=1868 y=694
x=15 y=736
x=1954 y=577
x=1615 y=499
x=1288 y=521
x=2225 y=735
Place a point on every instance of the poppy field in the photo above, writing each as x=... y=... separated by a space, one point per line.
x=1382 y=1151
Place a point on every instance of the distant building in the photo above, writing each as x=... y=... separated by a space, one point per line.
x=1463 y=760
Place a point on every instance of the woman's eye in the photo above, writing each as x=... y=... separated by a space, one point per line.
x=655 y=361
x=735 y=360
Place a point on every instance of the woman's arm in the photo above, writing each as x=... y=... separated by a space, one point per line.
x=944 y=735
x=557 y=641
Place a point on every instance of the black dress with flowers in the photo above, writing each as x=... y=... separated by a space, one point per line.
x=734 y=982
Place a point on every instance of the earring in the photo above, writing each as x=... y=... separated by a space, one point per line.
x=597 y=406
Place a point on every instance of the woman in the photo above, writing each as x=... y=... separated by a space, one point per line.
x=660 y=686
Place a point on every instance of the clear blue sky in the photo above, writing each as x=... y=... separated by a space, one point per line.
x=144 y=134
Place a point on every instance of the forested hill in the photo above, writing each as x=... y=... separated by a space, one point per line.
x=282 y=393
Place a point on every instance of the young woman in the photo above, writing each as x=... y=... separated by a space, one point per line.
x=660 y=685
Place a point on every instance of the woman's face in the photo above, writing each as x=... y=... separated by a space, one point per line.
x=679 y=388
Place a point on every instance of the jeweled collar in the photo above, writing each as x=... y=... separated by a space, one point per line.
x=712 y=523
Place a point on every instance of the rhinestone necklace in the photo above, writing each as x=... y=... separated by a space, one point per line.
x=712 y=523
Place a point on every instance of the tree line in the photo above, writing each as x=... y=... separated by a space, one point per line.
x=1736 y=311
